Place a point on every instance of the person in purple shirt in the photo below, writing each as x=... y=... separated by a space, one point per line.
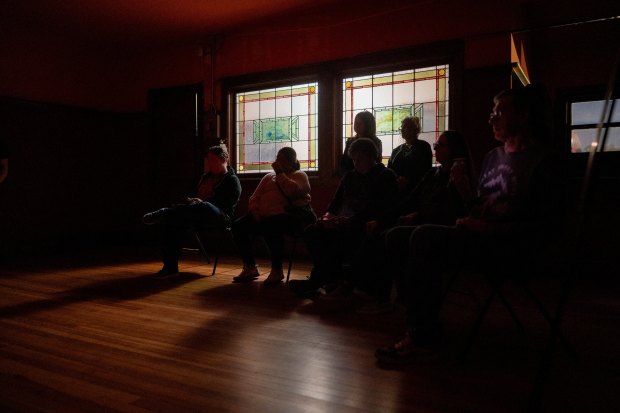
x=514 y=206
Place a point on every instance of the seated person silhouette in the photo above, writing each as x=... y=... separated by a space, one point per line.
x=441 y=197
x=270 y=215
x=411 y=160
x=363 y=195
x=219 y=190
x=513 y=208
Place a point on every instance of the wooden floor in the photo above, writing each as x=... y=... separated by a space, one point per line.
x=95 y=332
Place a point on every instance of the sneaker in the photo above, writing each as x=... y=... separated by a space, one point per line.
x=154 y=217
x=375 y=307
x=247 y=274
x=166 y=272
x=274 y=277
x=402 y=352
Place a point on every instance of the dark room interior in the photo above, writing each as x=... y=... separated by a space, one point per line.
x=107 y=108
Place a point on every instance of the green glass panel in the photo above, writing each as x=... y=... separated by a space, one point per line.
x=271 y=130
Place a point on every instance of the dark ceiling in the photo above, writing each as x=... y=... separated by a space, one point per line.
x=139 y=21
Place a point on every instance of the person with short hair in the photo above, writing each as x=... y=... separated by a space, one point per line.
x=441 y=197
x=218 y=193
x=412 y=159
x=364 y=194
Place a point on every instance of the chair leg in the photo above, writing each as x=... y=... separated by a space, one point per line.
x=466 y=289
x=216 y=254
x=508 y=307
x=477 y=323
x=484 y=309
x=215 y=258
x=535 y=399
x=202 y=247
x=290 y=259
x=553 y=323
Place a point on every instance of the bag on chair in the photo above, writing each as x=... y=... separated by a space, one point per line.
x=303 y=214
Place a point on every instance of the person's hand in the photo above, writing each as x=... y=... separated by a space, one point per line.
x=460 y=180
x=193 y=201
x=473 y=225
x=408 y=219
x=277 y=168
x=372 y=227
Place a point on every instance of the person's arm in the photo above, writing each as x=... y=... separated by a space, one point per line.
x=294 y=185
x=231 y=191
x=346 y=163
x=407 y=210
x=422 y=162
x=388 y=194
x=379 y=146
x=384 y=194
x=254 y=202
x=4 y=169
x=336 y=202
x=462 y=183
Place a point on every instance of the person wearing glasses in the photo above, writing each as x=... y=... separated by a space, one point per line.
x=514 y=208
x=412 y=159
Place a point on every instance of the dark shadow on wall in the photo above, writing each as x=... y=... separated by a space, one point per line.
x=77 y=176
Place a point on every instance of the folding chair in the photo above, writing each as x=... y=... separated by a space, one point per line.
x=295 y=239
x=228 y=230
x=201 y=248
x=529 y=267
x=497 y=281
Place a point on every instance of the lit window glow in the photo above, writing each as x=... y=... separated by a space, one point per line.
x=269 y=119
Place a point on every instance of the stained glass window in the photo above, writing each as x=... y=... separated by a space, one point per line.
x=584 y=118
x=269 y=119
x=390 y=97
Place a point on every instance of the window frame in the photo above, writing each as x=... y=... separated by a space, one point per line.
x=329 y=76
x=275 y=79
x=564 y=119
x=274 y=85
x=393 y=69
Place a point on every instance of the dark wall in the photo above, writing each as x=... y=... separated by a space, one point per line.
x=80 y=176
x=479 y=87
x=76 y=176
